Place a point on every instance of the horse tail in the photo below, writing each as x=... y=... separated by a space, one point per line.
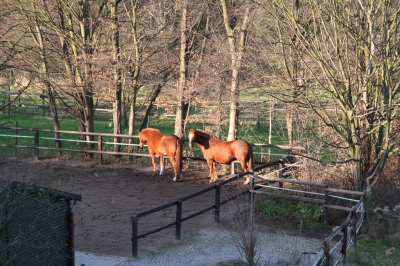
x=251 y=160
x=178 y=156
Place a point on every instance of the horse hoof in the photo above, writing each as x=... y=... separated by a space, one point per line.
x=174 y=179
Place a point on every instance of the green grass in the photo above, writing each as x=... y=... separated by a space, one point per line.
x=103 y=124
x=291 y=211
x=372 y=251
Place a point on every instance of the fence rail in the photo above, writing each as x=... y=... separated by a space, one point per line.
x=36 y=144
x=179 y=203
x=333 y=252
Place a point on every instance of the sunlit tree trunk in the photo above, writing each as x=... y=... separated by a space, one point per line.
x=236 y=48
x=183 y=104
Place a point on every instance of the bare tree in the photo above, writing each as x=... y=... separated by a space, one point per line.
x=31 y=12
x=236 y=47
x=183 y=104
x=117 y=69
x=349 y=50
x=133 y=71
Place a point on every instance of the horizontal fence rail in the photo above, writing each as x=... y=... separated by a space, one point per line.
x=333 y=252
x=36 y=144
x=179 y=203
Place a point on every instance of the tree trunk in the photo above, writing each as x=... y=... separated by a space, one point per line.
x=117 y=75
x=183 y=105
x=134 y=73
x=237 y=53
x=49 y=91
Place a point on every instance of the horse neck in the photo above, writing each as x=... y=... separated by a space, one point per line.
x=202 y=139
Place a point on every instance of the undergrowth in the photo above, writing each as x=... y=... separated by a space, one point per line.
x=291 y=211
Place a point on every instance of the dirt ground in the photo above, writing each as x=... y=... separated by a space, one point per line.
x=113 y=192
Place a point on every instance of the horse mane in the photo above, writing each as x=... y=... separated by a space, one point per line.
x=205 y=135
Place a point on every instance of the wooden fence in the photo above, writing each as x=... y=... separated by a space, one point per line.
x=344 y=236
x=99 y=142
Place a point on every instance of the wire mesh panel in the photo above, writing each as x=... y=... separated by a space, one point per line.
x=34 y=228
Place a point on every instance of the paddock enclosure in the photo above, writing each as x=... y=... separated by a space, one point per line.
x=113 y=192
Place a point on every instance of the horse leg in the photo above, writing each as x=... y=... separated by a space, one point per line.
x=177 y=177
x=161 y=165
x=247 y=168
x=213 y=173
x=153 y=162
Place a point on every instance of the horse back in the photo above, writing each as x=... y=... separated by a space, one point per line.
x=172 y=144
x=242 y=148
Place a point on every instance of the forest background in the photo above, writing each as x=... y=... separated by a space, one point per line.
x=331 y=65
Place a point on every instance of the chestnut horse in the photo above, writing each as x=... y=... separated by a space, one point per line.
x=163 y=145
x=216 y=150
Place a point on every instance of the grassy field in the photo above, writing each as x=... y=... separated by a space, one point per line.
x=103 y=124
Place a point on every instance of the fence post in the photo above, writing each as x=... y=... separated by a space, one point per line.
x=134 y=239
x=280 y=166
x=354 y=226
x=36 y=144
x=326 y=208
x=178 y=219
x=217 y=202
x=16 y=139
x=326 y=251
x=252 y=187
x=344 y=241
x=9 y=101
x=100 y=148
x=71 y=244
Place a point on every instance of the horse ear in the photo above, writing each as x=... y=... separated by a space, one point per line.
x=139 y=130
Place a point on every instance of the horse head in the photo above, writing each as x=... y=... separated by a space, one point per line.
x=199 y=137
x=192 y=137
x=141 y=139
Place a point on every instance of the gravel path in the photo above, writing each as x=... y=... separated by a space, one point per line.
x=211 y=246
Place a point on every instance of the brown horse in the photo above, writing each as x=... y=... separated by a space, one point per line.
x=216 y=150
x=163 y=145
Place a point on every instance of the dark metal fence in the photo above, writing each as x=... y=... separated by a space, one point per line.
x=179 y=203
x=36 y=225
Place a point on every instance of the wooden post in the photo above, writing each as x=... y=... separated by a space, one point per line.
x=354 y=227
x=251 y=196
x=326 y=208
x=16 y=139
x=100 y=148
x=217 y=202
x=36 y=144
x=280 y=165
x=134 y=239
x=326 y=251
x=9 y=101
x=71 y=244
x=178 y=219
x=344 y=241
